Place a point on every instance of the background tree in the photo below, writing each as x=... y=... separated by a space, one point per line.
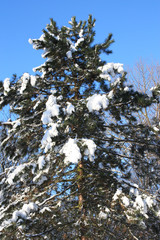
x=70 y=176
x=145 y=77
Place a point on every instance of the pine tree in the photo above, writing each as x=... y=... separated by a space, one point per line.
x=72 y=145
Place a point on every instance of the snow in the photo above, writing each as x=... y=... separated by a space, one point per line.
x=26 y=210
x=70 y=108
x=156 y=129
x=45 y=209
x=96 y=102
x=52 y=109
x=33 y=80
x=25 y=79
x=16 y=172
x=110 y=94
x=74 y=46
x=102 y=215
x=140 y=204
x=39 y=179
x=16 y=123
x=117 y=194
x=71 y=151
x=41 y=162
x=125 y=201
x=81 y=33
x=109 y=69
x=6 y=85
x=46 y=141
x=126 y=89
x=69 y=54
x=150 y=202
x=17 y=214
x=91 y=147
x=30 y=41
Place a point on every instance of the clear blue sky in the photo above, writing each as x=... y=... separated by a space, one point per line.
x=135 y=25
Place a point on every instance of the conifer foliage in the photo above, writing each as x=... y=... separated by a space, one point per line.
x=74 y=144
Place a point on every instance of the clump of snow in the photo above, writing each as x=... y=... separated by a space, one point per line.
x=156 y=129
x=102 y=215
x=73 y=46
x=52 y=109
x=96 y=102
x=140 y=204
x=110 y=94
x=24 y=212
x=126 y=89
x=71 y=151
x=81 y=33
x=25 y=79
x=16 y=172
x=16 y=123
x=117 y=194
x=69 y=54
x=33 y=80
x=46 y=141
x=45 y=209
x=17 y=214
x=6 y=85
x=90 y=150
x=41 y=162
x=39 y=179
x=125 y=201
x=150 y=202
x=70 y=108
x=109 y=69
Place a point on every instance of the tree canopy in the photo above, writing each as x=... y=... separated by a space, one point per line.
x=74 y=145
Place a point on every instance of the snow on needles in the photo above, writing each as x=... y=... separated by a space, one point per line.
x=96 y=102
x=90 y=150
x=52 y=109
x=24 y=212
x=73 y=46
x=71 y=151
x=109 y=69
x=6 y=85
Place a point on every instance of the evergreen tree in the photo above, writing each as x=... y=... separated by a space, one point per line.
x=70 y=171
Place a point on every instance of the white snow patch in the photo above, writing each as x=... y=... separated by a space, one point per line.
x=52 y=109
x=126 y=89
x=46 y=141
x=41 y=162
x=45 y=209
x=117 y=194
x=16 y=172
x=33 y=80
x=6 y=85
x=90 y=150
x=24 y=212
x=102 y=215
x=96 y=102
x=69 y=54
x=71 y=151
x=125 y=201
x=109 y=69
x=110 y=94
x=70 y=108
x=140 y=204
x=25 y=79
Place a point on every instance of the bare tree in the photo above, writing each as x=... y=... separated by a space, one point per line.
x=145 y=77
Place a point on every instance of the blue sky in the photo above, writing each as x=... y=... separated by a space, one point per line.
x=135 y=25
